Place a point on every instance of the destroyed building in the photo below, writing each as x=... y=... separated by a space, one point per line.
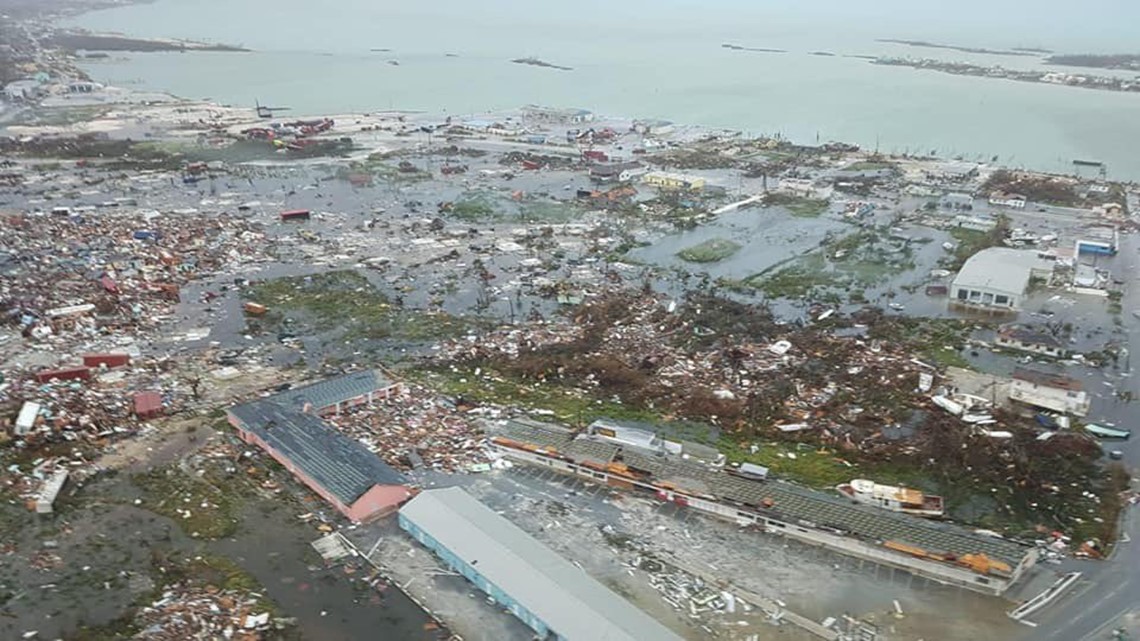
x=942 y=552
x=342 y=471
x=1049 y=391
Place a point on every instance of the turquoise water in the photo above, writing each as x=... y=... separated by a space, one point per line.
x=660 y=59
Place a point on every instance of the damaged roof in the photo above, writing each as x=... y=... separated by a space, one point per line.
x=338 y=463
x=328 y=393
x=788 y=502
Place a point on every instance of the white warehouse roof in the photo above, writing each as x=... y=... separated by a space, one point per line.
x=565 y=598
x=1001 y=269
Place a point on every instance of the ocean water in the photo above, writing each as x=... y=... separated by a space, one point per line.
x=661 y=59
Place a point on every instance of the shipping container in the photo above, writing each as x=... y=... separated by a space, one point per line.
x=295 y=214
x=65 y=374
x=148 y=405
x=109 y=360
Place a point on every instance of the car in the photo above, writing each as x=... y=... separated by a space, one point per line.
x=1116 y=455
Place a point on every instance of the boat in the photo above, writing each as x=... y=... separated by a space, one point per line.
x=889 y=497
x=1107 y=432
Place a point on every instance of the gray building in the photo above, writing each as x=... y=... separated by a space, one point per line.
x=550 y=595
x=998 y=278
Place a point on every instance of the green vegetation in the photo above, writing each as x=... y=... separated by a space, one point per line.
x=854 y=262
x=938 y=341
x=200 y=509
x=344 y=301
x=816 y=467
x=797 y=205
x=971 y=242
x=548 y=212
x=473 y=208
x=59 y=116
x=568 y=404
x=710 y=251
x=869 y=165
x=944 y=356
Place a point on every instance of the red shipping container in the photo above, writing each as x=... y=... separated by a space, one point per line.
x=110 y=360
x=65 y=374
x=295 y=214
x=148 y=404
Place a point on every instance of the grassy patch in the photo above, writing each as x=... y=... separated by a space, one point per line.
x=568 y=404
x=798 y=205
x=473 y=208
x=971 y=242
x=345 y=301
x=869 y=165
x=710 y=251
x=816 y=467
x=548 y=212
x=200 y=509
x=854 y=262
x=60 y=116
x=943 y=356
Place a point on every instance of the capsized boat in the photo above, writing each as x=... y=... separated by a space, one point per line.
x=889 y=497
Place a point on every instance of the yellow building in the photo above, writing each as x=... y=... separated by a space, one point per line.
x=674 y=181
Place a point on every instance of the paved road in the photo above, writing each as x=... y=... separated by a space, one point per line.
x=1108 y=595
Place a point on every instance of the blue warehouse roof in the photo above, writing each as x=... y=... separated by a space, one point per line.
x=329 y=392
x=341 y=465
x=571 y=603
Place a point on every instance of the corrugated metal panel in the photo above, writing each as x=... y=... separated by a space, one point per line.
x=574 y=606
x=328 y=393
x=339 y=464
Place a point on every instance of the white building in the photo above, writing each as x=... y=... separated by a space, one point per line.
x=1049 y=391
x=975 y=223
x=1027 y=340
x=1003 y=199
x=803 y=187
x=20 y=90
x=998 y=278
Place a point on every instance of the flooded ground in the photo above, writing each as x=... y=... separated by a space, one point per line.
x=96 y=558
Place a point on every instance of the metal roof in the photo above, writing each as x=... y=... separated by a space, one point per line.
x=1048 y=379
x=328 y=393
x=336 y=462
x=571 y=603
x=1029 y=336
x=789 y=502
x=1001 y=269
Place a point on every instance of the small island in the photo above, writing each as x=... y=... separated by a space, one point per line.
x=536 y=62
x=934 y=45
x=1125 y=61
x=1084 y=81
x=755 y=49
